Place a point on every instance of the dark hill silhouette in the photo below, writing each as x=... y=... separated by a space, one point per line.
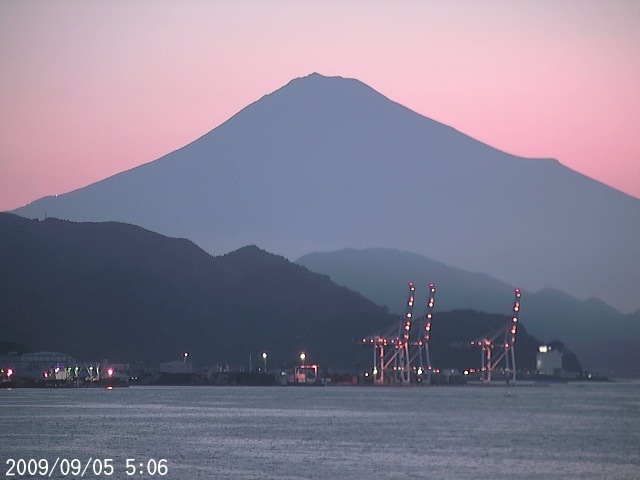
x=111 y=290
x=328 y=163
x=602 y=337
x=117 y=291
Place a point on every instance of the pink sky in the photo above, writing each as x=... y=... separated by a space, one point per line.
x=89 y=89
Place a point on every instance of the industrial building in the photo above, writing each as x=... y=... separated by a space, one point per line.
x=549 y=361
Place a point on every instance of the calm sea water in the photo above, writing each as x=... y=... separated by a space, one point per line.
x=585 y=431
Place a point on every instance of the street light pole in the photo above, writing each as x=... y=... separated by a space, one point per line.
x=264 y=357
x=302 y=373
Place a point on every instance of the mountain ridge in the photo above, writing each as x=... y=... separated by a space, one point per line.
x=83 y=289
x=113 y=290
x=602 y=337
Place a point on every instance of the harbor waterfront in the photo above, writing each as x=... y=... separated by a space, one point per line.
x=581 y=430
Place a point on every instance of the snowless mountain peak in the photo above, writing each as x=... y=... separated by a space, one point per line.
x=326 y=163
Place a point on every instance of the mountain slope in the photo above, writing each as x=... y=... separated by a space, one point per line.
x=117 y=291
x=110 y=290
x=602 y=337
x=328 y=163
x=381 y=275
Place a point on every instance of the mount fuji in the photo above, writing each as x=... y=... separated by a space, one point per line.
x=326 y=163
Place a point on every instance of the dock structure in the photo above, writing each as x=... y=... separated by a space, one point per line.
x=492 y=353
x=401 y=354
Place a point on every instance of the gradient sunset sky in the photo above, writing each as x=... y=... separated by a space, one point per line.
x=89 y=89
